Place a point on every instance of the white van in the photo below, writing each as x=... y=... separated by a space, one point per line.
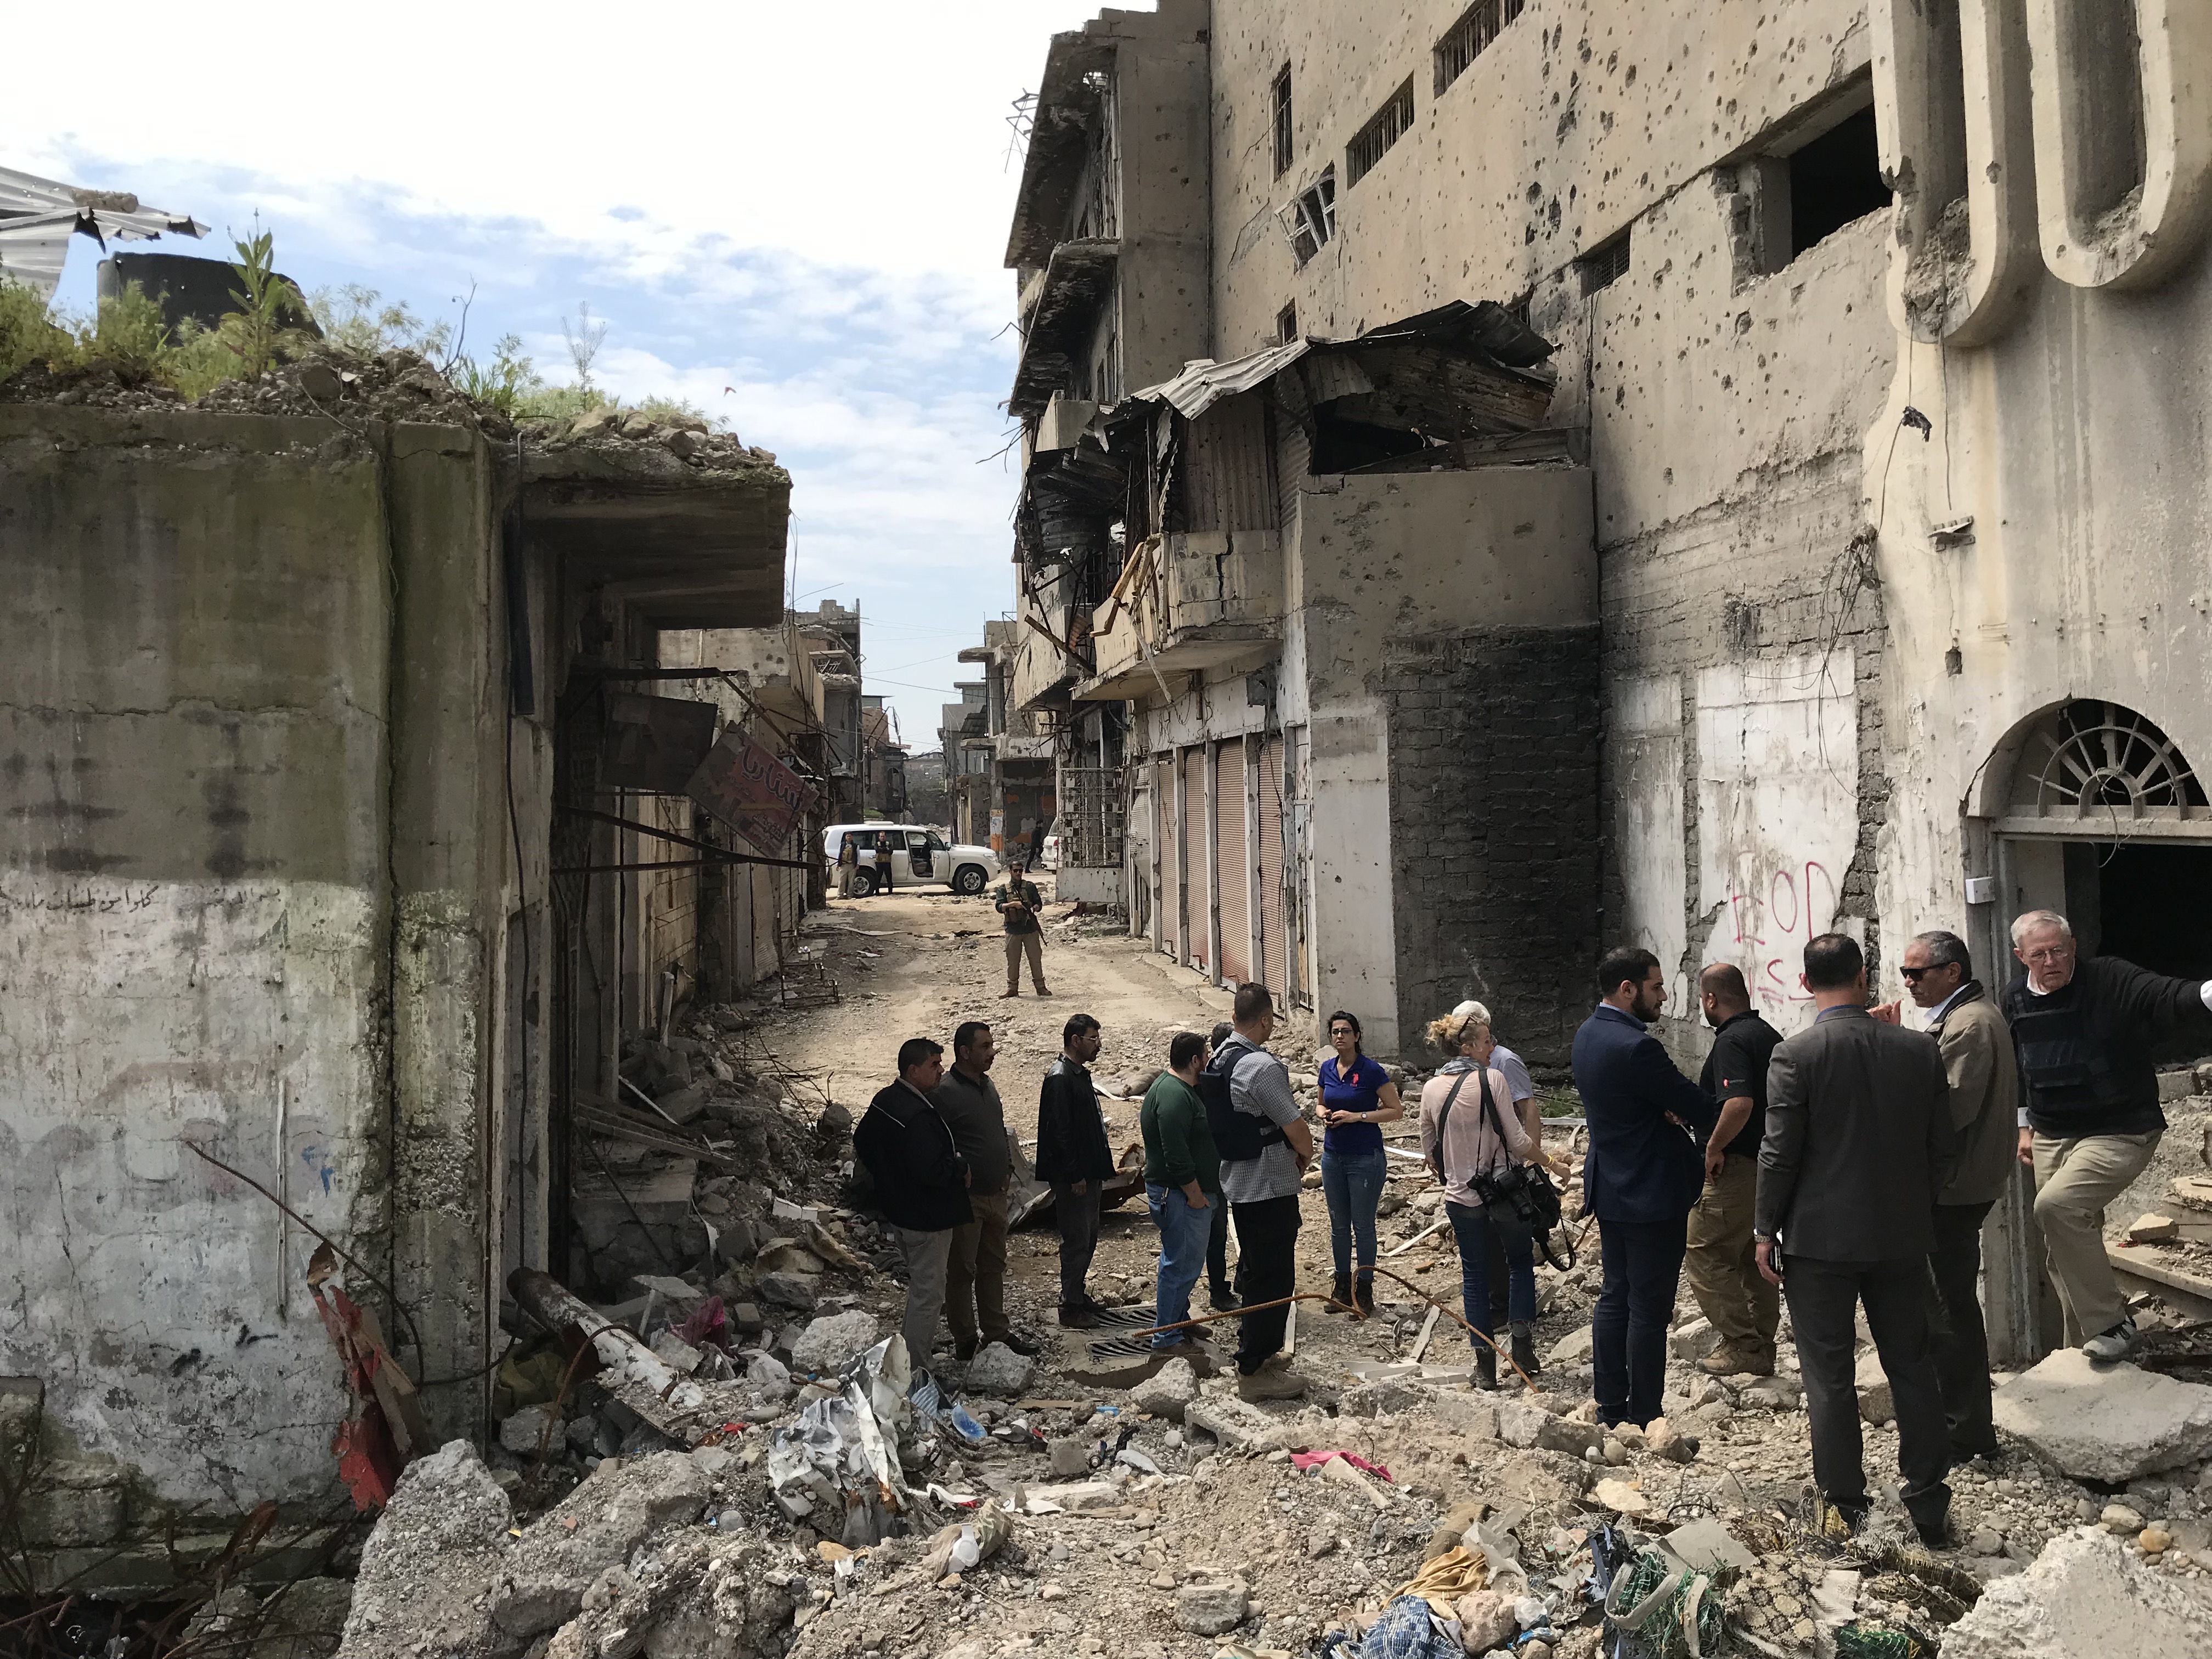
x=921 y=857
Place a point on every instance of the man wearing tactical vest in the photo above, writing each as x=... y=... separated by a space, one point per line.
x=2083 y=1031
x=1264 y=1146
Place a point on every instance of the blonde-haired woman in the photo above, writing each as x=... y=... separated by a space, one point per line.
x=1469 y=1131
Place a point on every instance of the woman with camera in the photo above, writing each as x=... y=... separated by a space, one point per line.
x=1474 y=1141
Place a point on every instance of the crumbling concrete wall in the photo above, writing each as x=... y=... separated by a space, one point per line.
x=1437 y=622
x=240 y=650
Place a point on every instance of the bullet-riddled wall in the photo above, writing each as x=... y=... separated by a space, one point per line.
x=253 y=859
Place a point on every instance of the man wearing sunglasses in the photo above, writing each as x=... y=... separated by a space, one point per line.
x=1976 y=1044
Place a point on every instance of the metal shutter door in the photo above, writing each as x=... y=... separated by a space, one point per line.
x=1194 y=857
x=1274 y=923
x=1170 y=845
x=1231 y=873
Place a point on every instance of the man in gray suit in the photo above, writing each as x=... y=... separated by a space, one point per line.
x=1976 y=1043
x=1858 y=1143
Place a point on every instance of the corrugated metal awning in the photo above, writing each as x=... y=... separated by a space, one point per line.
x=39 y=216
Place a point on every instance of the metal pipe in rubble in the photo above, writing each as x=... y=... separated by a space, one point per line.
x=622 y=1356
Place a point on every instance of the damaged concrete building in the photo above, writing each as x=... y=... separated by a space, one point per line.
x=347 y=844
x=1001 y=759
x=1528 y=476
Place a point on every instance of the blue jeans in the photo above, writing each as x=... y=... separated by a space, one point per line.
x=1353 y=1184
x=1184 y=1233
x=1473 y=1229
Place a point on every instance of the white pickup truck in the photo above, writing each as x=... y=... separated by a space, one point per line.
x=920 y=857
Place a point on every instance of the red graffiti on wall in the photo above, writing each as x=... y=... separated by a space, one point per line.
x=1773 y=925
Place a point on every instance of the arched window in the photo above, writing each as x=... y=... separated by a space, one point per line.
x=2095 y=767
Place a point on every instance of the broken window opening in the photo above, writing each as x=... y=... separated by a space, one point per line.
x=1286 y=324
x=1314 y=215
x=1468 y=39
x=1834 y=180
x=1285 y=131
x=1603 y=266
x=1384 y=128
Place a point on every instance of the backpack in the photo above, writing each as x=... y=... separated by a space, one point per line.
x=1236 y=1135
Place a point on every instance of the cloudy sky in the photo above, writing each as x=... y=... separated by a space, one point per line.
x=791 y=213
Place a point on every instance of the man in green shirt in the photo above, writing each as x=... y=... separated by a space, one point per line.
x=1183 y=1182
x=1021 y=903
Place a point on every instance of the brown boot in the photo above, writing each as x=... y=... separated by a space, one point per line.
x=1730 y=1361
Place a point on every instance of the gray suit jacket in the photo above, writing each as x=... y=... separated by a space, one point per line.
x=1976 y=1044
x=1859 y=1140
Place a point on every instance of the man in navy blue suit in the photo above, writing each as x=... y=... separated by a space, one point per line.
x=1641 y=1179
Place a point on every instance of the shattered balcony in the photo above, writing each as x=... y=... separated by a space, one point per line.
x=1187 y=601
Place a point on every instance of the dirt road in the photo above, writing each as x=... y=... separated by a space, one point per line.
x=919 y=963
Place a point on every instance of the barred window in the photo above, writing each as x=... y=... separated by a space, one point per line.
x=1385 y=127
x=1285 y=132
x=1604 y=266
x=1469 y=37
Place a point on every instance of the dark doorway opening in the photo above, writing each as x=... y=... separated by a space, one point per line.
x=1835 y=179
x=2148 y=902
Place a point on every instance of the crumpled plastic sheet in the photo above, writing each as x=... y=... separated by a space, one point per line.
x=1408 y=1630
x=842 y=1453
x=948 y=1414
x=1307 y=1460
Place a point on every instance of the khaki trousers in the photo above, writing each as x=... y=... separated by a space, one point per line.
x=2075 y=1180
x=846 y=874
x=1720 y=1264
x=1030 y=944
x=975 y=1277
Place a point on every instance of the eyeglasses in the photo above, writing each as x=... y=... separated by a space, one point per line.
x=1913 y=976
x=1341 y=1030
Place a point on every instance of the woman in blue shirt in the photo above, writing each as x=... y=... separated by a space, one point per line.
x=1356 y=1098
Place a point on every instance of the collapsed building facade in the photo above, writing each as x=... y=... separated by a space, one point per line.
x=348 y=845
x=1512 y=477
x=1001 y=760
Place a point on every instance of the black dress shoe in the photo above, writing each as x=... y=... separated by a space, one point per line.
x=964 y=1349
x=1225 y=1302
x=1078 y=1319
x=1020 y=1344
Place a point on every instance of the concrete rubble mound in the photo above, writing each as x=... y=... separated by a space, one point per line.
x=2111 y=1424
x=2084 y=1594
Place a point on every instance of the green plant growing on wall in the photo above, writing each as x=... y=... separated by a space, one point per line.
x=505 y=382
x=127 y=333
x=264 y=326
x=28 y=333
x=356 y=318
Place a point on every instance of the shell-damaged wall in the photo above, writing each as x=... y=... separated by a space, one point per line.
x=1727 y=377
x=212 y=934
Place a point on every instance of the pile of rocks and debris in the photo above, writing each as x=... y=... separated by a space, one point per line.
x=841 y=1515
x=352 y=388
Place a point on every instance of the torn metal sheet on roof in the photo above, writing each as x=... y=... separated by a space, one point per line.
x=39 y=216
x=1486 y=331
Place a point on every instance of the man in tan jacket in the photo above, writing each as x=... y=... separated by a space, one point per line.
x=1977 y=1047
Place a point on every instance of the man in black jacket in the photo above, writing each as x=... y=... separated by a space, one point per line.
x=2083 y=1031
x=1858 y=1143
x=921 y=1183
x=1072 y=1156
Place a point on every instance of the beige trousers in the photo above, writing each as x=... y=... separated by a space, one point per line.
x=1721 y=1267
x=2075 y=1180
x=846 y=875
x=1019 y=945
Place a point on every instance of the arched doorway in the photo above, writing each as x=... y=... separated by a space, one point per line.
x=2105 y=820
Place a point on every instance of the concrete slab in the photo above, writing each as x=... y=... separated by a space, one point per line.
x=2111 y=1423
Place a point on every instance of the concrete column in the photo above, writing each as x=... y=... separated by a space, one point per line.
x=449 y=870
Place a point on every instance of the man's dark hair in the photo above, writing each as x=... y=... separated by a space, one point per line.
x=1831 y=962
x=1014 y=864
x=1187 y=1047
x=1078 y=1025
x=1944 y=949
x=916 y=1051
x=1222 y=1033
x=964 y=1038
x=1725 y=981
x=1253 y=1000
x=1629 y=963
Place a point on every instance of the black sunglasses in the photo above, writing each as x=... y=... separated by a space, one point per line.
x=1912 y=975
